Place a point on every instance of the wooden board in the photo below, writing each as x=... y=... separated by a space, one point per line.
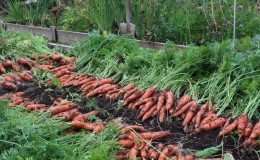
x=69 y=37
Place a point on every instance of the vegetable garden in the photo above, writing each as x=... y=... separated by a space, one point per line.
x=107 y=98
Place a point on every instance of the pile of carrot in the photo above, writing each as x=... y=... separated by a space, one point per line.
x=136 y=143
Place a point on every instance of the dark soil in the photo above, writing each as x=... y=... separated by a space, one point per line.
x=110 y=110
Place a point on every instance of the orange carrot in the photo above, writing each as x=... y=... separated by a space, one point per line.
x=17 y=101
x=155 y=135
x=133 y=153
x=161 y=100
x=82 y=125
x=256 y=131
x=102 y=90
x=144 y=152
x=182 y=101
x=61 y=73
x=248 y=130
x=149 y=113
x=121 y=157
x=55 y=57
x=129 y=93
x=98 y=83
x=134 y=96
x=16 y=67
x=132 y=127
x=169 y=100
x=214 y=124
x=60 y=68
x=153 y=154
x=208 y=118
x=126 y=143
x=15 y=77
x=147 y=106
x=128 y=87
x=62 y=108
x=162 y=114
x=9 y=85
x=85 y=117
x=229 y=128
x=35 y=106
x=199 y=115
x=172 y=149
x=7 y=63
x=190 y=115
x=68 y=115
x=164 y=154
x=185 y=108
x=26 y=76
x=148 y=93
x=2 y=69
x=242 y=122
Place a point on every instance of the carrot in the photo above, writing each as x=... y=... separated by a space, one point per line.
x=17 y=101
x=164 y=154
x=133 y=127
x=25 y=62
x=9 y=85
x=127 y=88
x=59 y=68
x=149 y=113
x=133 y=153
x=144 y=152
x=248 y=129
x=162 y=114
x=146 y=107
x=190 y=115
x=153 y=154
x=114 y=96
x=229 y=128
x=169 y=100
x=126 y=143
x=139 y=144
x=26 y=76
x=85 y=117
x=68 y=115
x=227 y=122
x=15 y=77
x=161 y=100
x=2 y=69
x=129 y=93
x=155 y=135
x=134 y=96
x=7 y=63
x=256 y=131
x=190 y=157
x=55 y=57
x=121 y=157
x=19 y=94
x=242 y=122
x=98 y=83
x=172 y=149
x=214 y=124
x=82 y=125
x=32 y=107
x=16 y=67
x=61 y=73
x=62 y=108
x=182 y=101
x=102 y=90
x=148 y=93
x=84 y=81
x=199 y=115
x=208 y=118
x=185 y=108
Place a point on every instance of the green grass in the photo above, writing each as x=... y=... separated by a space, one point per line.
x=26 y=135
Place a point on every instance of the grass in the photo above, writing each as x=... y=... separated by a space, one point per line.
x=36 y=136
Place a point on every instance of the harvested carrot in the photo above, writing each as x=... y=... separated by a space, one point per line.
x=248 y=130
x=189 y=157
x=242 y=122
x=256 y=131
x=199 y=115
x=169 y=100
x=127 y=88
x=102 y=90
x=26 y=76
x=129 y=93
x=62 y=108
x=139 y=144
x=126 y=143
x=162 y=114
x=25 y=62
x=9 y=85
x=185 y=108
x=68 y=115
x=17 y=101
x=7 y=63
x=214 y=124
x=32 y=107
x=182 y=101
x=190 y=115
x=55 y=57
x=144 y=152
x=82 y=125
x=173 y=149
x=85 y=117
x=147 y=106
x=98 y=83
x=153 y=154
x=61 y=73
x=161 y=100
x=2 y=69
x=134 y=96
x=15 y=77
x=210 y=117
x=164 y=154
x=149 y=113
x=229 y=128
x=121 y=157
x=133 y=153
x=84 y=81
x=16 y=67
x=155 y=135
x=133 y=127
x=148 y=93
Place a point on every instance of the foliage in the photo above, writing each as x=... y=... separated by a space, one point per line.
x=215 y=72
x=30 y=14
x=28 y=136
x=208 y=152
x=15 y=45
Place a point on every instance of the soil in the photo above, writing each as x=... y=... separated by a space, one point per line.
x=110 y=111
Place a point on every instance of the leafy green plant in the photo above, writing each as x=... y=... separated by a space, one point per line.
x=208 y=152
x=42 y=76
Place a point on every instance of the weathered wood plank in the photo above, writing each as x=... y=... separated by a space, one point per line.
x=38 y=31
x=69 y=37
x=63 y=47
